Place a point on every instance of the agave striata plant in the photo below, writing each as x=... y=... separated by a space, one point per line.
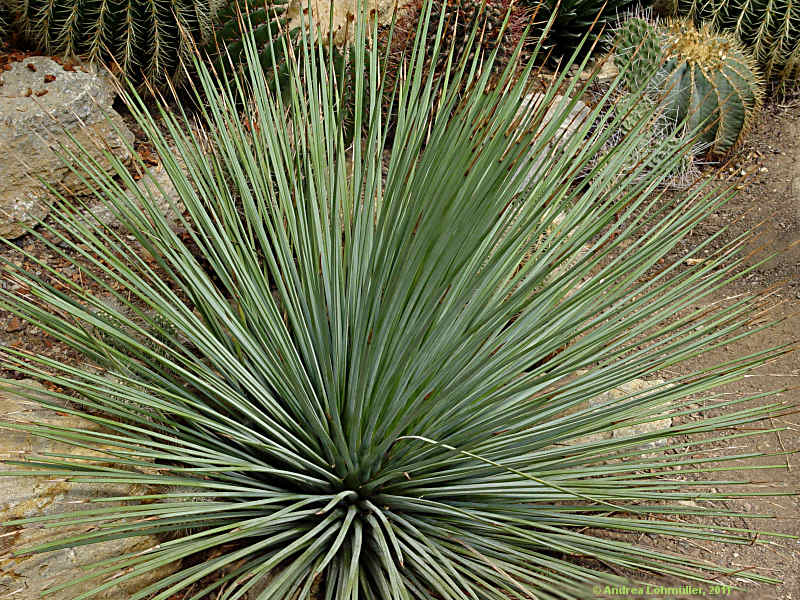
x=370 y=390
x=573 y=20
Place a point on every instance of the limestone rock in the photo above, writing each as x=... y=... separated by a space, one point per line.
x=343 y=13
x=26 y=576
x=155 y=184
x=42 y=105
x=568 y=127
x=608 y=71
x=636 y=386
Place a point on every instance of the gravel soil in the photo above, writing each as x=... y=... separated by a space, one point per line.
x=769 y=203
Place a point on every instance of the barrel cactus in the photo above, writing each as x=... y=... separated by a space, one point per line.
x=638 y=45
x=706 y=80
x=713 y=83
x=148 y=40
x=268 y=21
x=771 y=28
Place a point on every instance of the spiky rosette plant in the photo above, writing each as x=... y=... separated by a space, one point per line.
x=574 y=20
x=147 y=39
x=770 y=29
x=368 y=391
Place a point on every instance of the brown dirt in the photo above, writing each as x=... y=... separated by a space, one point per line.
x=770 y=202
x=773 y=200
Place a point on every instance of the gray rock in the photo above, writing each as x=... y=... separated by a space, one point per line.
x=636 y=386
x=639 y=386
x=44 y=107
x=568 y=127
x=608 y=70
x=25 y=576
x=154 y=185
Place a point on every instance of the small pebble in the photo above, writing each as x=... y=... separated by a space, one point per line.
x=15 y=324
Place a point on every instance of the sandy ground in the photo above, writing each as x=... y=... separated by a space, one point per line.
x=770 y=202
x=772 y=198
